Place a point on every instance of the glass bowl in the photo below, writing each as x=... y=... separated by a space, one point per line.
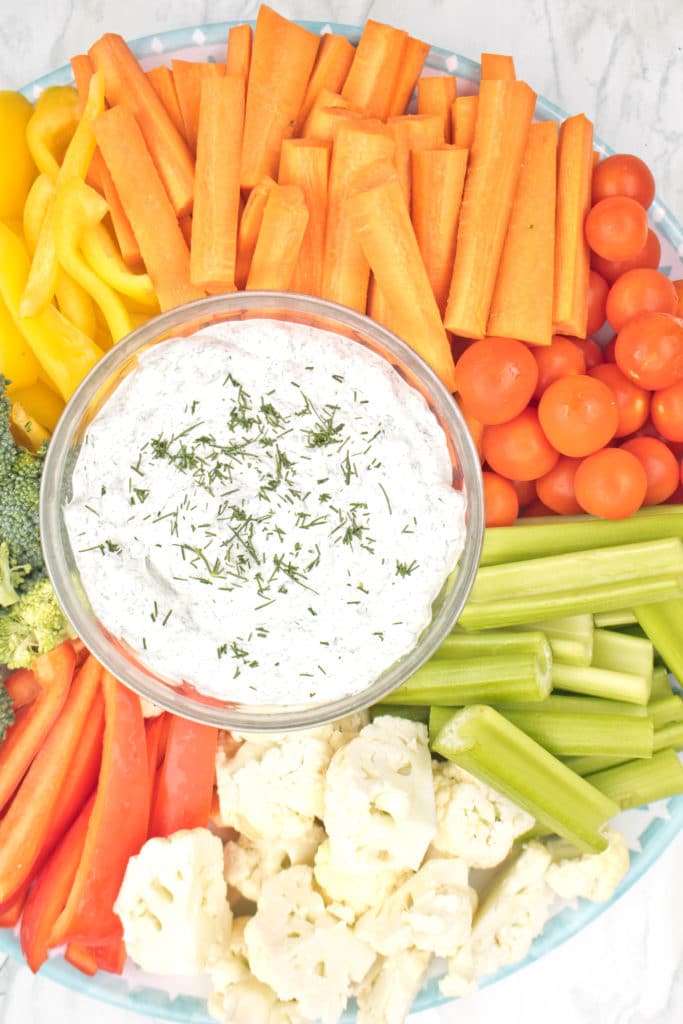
x=96 y=389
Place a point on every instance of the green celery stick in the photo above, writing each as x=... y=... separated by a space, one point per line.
x=620 y=617
x=483 y=742
x=640 y=782
x=600 y=682
x=400 y=711
x=661 y=686
x=570 y=638
x=664 y=627
x=460 y=645
x=581 y=734
x=591 y=763
x=570 y=705
x=620 y=652
x=666 y=710
x=438 y=718
x=669 y=735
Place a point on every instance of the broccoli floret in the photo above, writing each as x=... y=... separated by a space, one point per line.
x=6 y=711
x=32 y=626
x=19 y=493
x=11 y=577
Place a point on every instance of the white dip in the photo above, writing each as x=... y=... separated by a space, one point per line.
x=266 y=511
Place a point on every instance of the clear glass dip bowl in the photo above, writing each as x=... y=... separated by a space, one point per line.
x=94 y=392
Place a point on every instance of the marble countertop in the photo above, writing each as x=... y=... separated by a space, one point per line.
x=621 y=62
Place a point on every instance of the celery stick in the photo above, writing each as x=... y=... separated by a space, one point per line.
x=483 y=742
x=600 y=682
x=460 y=645
x=578 y=734
x=669 y=735
x=620 y=652
x=640 y=782
x=664 y=627
x=578 y=533
x=570 y=638
x=569 y=705
x=620 y=617
x=661 y=686
x=400 y=711
x=591 y=763
x=666 y=710
x=437 y=719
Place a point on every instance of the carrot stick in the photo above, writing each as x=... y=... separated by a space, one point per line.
x=217 y=176
x=164 y=86
x=127 y=84
x=346 y=272
x=497 y=66
x=281 y=64
x=188 y=77
x=331 y=67
x=410 y=68
x=381 y=222
x=464 y=120
x=148 y=207
x=597 y=156
x=238 y=56
x=306 y=163
x=323 y=122
x=436 y=95
x=22 y=687
x=504 y=114
x=411 y=133
x=185 y=225
x=437 y=184
x=279 y=240
x=522 y=305
x=369 y=85
x=572 y=258
x=249 y=227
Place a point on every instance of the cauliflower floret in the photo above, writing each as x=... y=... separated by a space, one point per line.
x=511 y=915
x=388 y=991
x=173 y=903
x=349 y=893
x=473 y=821
x=594 y=876
x=249 y=862
x=379 y=801
x=302 y=951
x=432 y=911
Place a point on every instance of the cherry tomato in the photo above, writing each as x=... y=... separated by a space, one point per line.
x=660 y=465
x=633 y=403
x=616 y=228
x=561 y=358
x=649 y=256
x=640 y=291
x=496 y=378
x=623 y=175
x=556 y=488
x=525 y=491
x=500 y=500
x=678 y=285
x=590 y=350
x=677 y=496
x=609 y=350
x=649 y=350
x=537 y=510
x=578 y=415
x=519 y=449
x=667 y=411
x=610 y=483
x=597 y=299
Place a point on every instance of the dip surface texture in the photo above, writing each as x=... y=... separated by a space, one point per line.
x=266 y=511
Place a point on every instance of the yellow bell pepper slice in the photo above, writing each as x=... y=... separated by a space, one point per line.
x=102 y=253
x=41 y=403
x=17 y=169
x=17 y=362
x=27 y=431
x=37 y=204
x=51 y=127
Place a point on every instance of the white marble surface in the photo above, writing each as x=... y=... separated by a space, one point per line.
x=620 y=61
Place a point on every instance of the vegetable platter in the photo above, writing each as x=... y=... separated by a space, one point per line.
x=648 y=830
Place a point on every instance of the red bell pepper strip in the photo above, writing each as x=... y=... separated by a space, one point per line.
x=111 y=958
x=82 y=958
x=118 y=824
x=10 y=911
x=53 y=672
x=25 y=825
x=184 y=786
x=22 y=687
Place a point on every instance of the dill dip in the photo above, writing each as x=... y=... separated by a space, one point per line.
x=265 y=511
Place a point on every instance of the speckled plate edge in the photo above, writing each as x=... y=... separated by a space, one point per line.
x=658 y=825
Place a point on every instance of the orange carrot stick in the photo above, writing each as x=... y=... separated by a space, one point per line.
x=147 y=205
x=572 y=258
x=238 y=56
x=522 y=305
x=188 y=77
x=597 y=156
x=369 y=85
x=323 y=123
x=163 y=84
x=346 y=272
x=279 y=241
x=306 y=163
x=22 y=687
x=281 y=64
x=438 y=179
x=331 y=67
x=185 y=225
x=126 y=83
x=217 y=175
x=249 y=227
x=436 y=95
x=497 y=66
x=411 y=133
x=381 y=222
x=410 y=68
x=503 y=118
x=464 y=120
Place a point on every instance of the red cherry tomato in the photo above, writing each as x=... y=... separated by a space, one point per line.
x=562 y=358
x=623 y=175
x=518 y=449
x=610 y=483
x=590 y=350
x=597 y=300
x=556 y=488
x=578 y=415
x=640 y=291
x=537 y=510
x=525 y=491
x=667 y=411
x=649 y=256
x=633 y=403
x=678 y=285
x=660 y=465
x=500 y=500
x=496 y=378
x=649 y=350
x=616 y=228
